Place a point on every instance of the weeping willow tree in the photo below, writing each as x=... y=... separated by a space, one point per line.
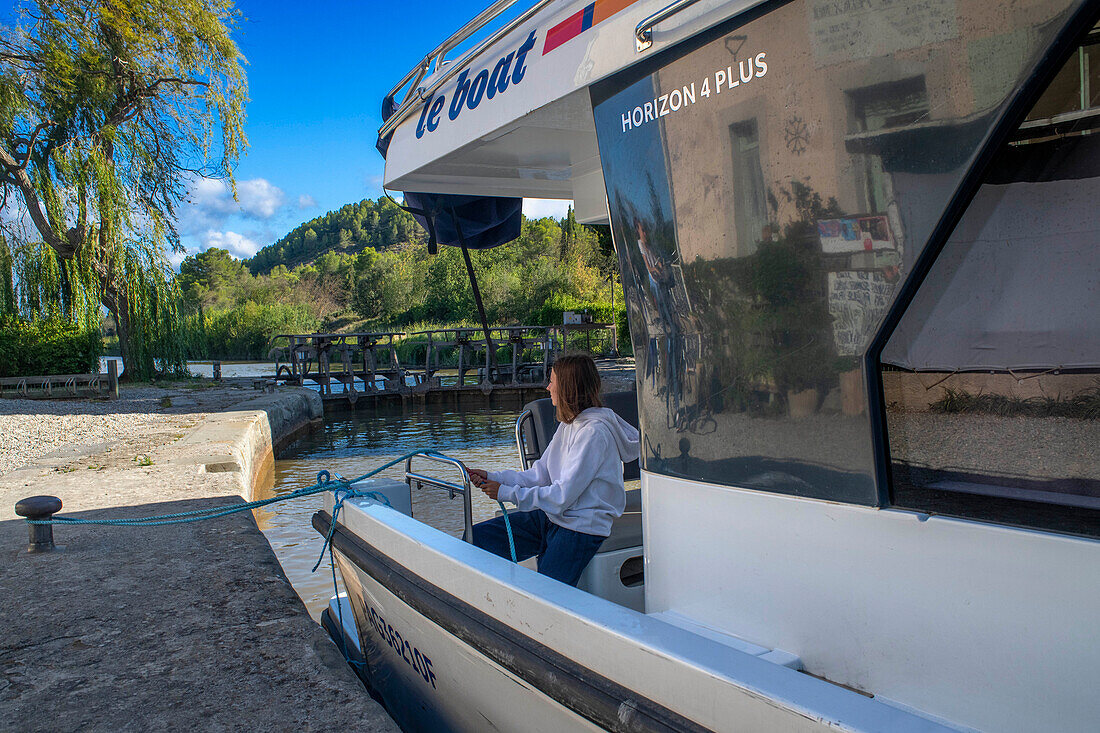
x=107 y=109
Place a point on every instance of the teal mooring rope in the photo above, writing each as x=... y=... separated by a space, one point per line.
x=341 y=489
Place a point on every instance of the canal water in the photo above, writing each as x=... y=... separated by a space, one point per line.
x=206 y=368
x=353 y=443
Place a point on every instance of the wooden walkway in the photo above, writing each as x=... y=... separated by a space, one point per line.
x=349 y=366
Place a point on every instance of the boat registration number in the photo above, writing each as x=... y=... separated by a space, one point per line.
x=404 y=649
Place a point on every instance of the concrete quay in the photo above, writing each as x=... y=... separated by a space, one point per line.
x=191 y=626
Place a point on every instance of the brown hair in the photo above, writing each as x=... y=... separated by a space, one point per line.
x=578 y=385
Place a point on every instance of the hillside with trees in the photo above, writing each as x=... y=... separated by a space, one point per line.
x=234 y=307
x=349 y=230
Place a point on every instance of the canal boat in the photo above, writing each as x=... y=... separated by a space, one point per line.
x=859 y=245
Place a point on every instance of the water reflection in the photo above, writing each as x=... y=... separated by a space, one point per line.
x=352 y=443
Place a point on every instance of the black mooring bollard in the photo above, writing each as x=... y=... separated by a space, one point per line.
x=38 y=508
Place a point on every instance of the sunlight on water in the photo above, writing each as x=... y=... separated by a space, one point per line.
x=352 y=443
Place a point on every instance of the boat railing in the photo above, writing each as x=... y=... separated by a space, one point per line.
x=643 y=32
x=525 y=456
x=463 y=489
x=417 y=93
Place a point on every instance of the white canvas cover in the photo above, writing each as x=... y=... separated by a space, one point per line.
x=1016 y=287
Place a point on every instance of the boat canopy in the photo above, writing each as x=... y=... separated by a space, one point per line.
x=473 y=222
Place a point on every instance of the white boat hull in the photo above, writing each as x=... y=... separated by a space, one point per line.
x=458 y=639
x=433 y=682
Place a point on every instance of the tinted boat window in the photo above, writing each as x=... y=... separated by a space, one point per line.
x=771 y=184
x=992 y=378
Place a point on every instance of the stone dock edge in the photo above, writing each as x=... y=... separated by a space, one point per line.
x=173 y=627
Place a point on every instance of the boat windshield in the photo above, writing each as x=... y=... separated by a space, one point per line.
x=772 y=185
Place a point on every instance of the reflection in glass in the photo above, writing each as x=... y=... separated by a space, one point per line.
x=770 y=186
x=992 y=380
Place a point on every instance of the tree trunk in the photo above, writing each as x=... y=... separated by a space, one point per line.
x=117 y=305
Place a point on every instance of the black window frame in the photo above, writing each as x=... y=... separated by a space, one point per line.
x=1078 y=30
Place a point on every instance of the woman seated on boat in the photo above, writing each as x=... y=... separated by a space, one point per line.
x=569 y=498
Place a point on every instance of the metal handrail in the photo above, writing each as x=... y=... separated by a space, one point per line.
x=452 y=488
x=471 y=27
x=439 y=53
x=524 y=416
x=643 y=32
x=417 y=93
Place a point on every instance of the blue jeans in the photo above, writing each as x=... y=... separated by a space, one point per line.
x=563 y=553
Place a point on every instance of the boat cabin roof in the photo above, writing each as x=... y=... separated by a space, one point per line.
x=511 y=115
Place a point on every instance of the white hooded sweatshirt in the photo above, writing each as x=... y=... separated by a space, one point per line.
x=578 y=480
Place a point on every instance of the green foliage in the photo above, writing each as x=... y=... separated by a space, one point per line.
x=245 y=331
x=552 y=267
x=212 y=271
x=517 y=280
x=36 y=283
x=351 y=229
x=550 y=312
x=386 y=283
x=48 y=346
x=106 y=110
x=622 y=330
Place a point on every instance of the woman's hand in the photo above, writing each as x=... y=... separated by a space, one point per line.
x=490 y=488
x=480 y=479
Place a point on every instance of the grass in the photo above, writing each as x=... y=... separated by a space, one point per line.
x=143 y=460
x=1083 y=406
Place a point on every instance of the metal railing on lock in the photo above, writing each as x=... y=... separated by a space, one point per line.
x=417 y=93
x=422 y=480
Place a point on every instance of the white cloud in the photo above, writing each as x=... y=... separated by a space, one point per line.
x=305 y=201
x=259 y=198
x=212 y=195
x=211 y=203
x=238 y=245
x=14 y=215
x=175 y=258
x=538 y=208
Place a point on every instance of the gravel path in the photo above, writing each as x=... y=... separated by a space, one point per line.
x=31 y=429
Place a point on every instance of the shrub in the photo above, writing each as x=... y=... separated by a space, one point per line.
x=551 y=311
x=1083 y=406
x=622 y=326
x=245 y=332
x=47 y=346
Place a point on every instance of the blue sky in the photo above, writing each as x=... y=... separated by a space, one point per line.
x=317 y=73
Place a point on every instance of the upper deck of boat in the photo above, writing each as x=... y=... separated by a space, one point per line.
x=511 y=114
